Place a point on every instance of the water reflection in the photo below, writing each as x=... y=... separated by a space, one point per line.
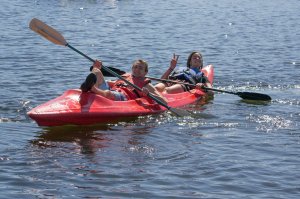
x=270 y=123
x=199 y=109
x=256 y=102
x=90 y=139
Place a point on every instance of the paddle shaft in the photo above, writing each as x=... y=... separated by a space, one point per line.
x=244 y=95
x=187 y=84
x=89 y=58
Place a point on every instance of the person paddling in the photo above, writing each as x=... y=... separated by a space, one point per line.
x=192 y=75
x=119 y=90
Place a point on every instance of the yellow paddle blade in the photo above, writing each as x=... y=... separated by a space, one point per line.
x=47 y=32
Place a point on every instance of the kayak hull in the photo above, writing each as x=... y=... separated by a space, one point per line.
x=76 y=108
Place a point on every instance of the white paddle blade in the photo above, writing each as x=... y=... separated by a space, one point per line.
x=47 y=32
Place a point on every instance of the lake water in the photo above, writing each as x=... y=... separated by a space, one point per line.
x=244 y=150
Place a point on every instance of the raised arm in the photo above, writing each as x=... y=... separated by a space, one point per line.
x=172 y=66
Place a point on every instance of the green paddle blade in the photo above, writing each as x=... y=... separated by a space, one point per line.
x=254 y=96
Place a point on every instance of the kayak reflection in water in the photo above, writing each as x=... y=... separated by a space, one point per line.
x=118 y=90
x=192 y=75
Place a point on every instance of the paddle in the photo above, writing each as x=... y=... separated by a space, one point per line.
x=243 y=95
x=116 y=70
x=55 y=37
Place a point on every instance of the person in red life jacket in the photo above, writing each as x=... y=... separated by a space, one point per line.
x=119 y=90
x=192 y=75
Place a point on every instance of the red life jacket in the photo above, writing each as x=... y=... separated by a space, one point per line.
x=129 y=91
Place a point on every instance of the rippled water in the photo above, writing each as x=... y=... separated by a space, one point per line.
x=235 y=149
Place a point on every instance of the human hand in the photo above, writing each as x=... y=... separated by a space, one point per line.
x=199 y=86
x=173 y=62
x=97 y=64
x=145 y=91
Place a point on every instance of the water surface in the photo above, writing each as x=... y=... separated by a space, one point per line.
x=245 y=150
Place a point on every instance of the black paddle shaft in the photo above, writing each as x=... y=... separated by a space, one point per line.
x=243 y=95
x=104 y=72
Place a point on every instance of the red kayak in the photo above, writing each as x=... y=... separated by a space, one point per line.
x=77 y=108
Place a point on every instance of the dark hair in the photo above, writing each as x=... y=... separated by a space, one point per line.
x=89 y=82
x=188 y=63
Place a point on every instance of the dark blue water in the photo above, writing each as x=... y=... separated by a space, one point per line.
x=242 y=150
